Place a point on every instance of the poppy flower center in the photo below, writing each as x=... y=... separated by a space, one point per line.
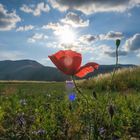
x=68 y=61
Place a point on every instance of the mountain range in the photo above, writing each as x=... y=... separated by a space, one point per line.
x=34 y=71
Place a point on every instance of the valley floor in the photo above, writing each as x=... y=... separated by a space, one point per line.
x=44 y=111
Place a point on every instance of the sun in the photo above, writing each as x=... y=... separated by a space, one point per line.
x=67 y=36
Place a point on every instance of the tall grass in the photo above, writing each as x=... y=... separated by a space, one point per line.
x=126 y=79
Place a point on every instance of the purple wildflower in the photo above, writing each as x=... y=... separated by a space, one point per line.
x=101 y=131
x=41 y=132
x=72 y=96
x=21 y=120
x=69 y=85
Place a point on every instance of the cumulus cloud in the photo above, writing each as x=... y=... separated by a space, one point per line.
x=8 y=20
x=56 y=27
x=111 y=36
x=35 y=10
x=92 y=6
x=75 y=46
x=106 y=50
x=25 y=28
x=75 y=20
x=37 y=37
x=87 y=38
x=133 y=43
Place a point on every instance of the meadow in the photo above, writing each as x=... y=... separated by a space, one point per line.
x=103 y=110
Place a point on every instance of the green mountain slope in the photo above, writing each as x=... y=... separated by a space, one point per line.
x=32 y=70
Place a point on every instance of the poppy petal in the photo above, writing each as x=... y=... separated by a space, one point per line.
x=87 y=68
x=56 y=62
x=67 y=61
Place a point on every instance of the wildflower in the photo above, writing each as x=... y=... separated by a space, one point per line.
x=101 y=130
x=21 y=120
x=41 y=132
x=69 y=62
x=34 y=132
x=69 y=85
x=23 y=102
x=72 y=96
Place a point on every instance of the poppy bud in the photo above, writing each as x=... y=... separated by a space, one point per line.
x=111 y=111
x=94 y=94
x=118 y=41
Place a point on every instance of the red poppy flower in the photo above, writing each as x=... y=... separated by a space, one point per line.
x=69 y=62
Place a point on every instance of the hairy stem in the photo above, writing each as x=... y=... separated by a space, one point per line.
x=116 y=65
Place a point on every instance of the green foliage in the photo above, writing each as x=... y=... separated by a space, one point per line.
x=40 y=111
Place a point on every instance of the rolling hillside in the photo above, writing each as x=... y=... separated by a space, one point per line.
x=32 y=70
x=125 y=80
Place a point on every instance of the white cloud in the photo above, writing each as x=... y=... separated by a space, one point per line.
x=35 y=10
x=92 y=6
x=86 y=39
x=8 y=20
x=56 y=27
x=99 y=53
x=10 y=55
x=37 y=37
x=133 y=43
x=25 y=28
x=111 y=36
x=75 y=20
x=76 y=46
x=105 y=50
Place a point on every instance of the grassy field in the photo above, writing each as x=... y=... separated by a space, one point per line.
x=105 y=110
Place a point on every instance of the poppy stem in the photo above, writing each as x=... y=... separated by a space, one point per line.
x=79 y=90
x=116 y=65
x=114 y=70
x=111 y=111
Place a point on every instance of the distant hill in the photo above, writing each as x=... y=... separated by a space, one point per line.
x=32 y=70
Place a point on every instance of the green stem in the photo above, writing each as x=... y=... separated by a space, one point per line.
x=113 y=74
x=117 y=59
x=79 y=90
x=116 y=65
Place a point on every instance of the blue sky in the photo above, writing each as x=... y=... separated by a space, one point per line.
x=37 y=28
